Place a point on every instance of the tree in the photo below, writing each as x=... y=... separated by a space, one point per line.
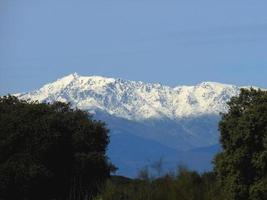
x=50 y=151
x=242 y=165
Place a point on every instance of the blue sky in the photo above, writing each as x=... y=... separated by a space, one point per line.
x=168 y=41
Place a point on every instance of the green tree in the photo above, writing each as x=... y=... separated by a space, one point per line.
x=242 y=165
x=50 y=151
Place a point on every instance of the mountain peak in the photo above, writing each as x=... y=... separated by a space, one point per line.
x=214 y=84
x=74 y=75
x=136 y=100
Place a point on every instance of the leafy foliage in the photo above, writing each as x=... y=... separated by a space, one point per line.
x=50 y=151
x=242 y=166
x=183 y=185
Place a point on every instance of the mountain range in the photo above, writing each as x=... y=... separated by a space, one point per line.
x=148 y=122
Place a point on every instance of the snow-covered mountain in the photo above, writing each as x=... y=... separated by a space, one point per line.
x=148 y=121
x=136 y=100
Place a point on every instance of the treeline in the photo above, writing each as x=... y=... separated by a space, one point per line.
x=180 y=185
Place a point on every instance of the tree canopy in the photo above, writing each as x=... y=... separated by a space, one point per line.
x=50 y=151
x=242 y=165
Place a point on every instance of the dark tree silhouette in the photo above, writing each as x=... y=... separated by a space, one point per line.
x=50 y=151
x=242 y=165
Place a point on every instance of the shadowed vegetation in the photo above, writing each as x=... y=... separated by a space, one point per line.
x=180 y=185
x=50 y=151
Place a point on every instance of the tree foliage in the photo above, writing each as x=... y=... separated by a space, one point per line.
x=242 y=166
x=50 y=151
x=180 y=185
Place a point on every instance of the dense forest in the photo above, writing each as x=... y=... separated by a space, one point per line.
x=51 y=151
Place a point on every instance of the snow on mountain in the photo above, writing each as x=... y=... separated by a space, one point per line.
x=135 y=100
x=162 y=121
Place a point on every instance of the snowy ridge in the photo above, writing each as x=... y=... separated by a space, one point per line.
x=148 y=121
x=136 y=100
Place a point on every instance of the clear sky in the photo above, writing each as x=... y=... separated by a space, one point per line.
x=173 y=42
